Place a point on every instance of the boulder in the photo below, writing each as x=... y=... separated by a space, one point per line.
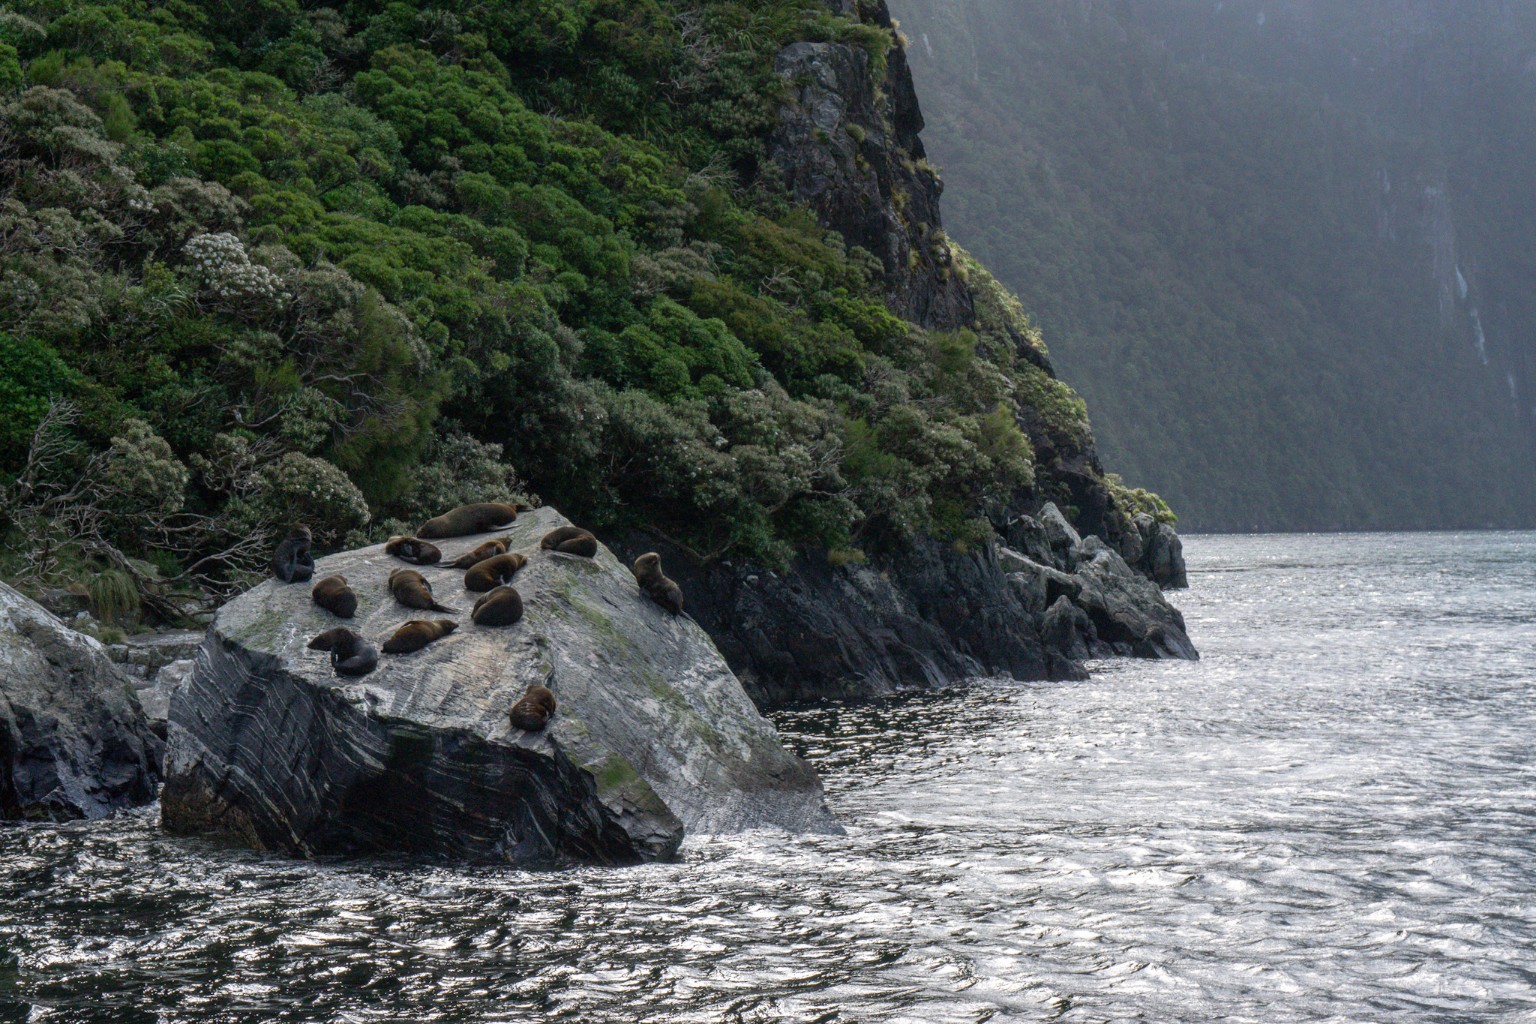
x=1162 y=557
x=74 y=742
x=1128 y=611
x=1067 y=628
x=1061 y=536
x=653 y=737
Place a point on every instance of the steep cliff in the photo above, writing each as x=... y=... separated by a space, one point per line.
x=926 y=612
x=1278 y=246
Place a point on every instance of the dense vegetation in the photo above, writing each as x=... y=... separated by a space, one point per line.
x=348 y=265
x=1252 y=277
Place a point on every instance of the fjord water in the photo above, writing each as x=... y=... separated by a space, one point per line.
x=1331 y=817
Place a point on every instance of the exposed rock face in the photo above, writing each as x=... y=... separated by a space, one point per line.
x=930 y=618
x=653 y=735
x=1161 y=556
x=73 y=740
x=852 y=153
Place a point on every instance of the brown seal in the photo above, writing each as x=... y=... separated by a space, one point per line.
x=292 y=562
x=417 y=633
x=474 y=556
x=333 y=594
x=412 y=590
x=468 y=519
x=413 y=550
x=351 y=655
x=501 y=607
x=655 y=583
x=493 y=572
x=572 y=540
x=534 y=710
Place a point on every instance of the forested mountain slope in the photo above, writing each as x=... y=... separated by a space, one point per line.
x=677 y=268
x=1277 y=252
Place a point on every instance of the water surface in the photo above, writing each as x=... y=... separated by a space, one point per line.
x=1332 y=817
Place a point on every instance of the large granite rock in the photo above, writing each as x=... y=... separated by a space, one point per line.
x=654 y=736
x=73 y=740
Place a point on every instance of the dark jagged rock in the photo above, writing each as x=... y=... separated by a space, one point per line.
x=1129 y=612
x=1162 y=554
x=1067 y=628
x=653 y=734
x=848 y=147
x=74 y=742
x=930 y=618
x=820 y=631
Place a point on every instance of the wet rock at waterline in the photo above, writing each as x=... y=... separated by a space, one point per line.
x=74 y=742
x=653 y=735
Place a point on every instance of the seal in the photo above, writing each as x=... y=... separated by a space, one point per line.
x=656 y=584
x=413 y=550
x=501 y=607
x=417 y=633
x=333 y=594
x=474 y=556
x=572 y=540
x=292 y=562
x=534 y=710
x=468 y=519
x=412 y=590
x=351 y=655
x=493 y=572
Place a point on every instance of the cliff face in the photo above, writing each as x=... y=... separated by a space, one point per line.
x=1280 y=247
x=848 y=147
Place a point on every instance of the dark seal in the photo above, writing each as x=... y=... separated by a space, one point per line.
x=534 y=710
x=656 y=584
x=474 y=556
x=493 y=572
x=333 y=594
x=501 y=607
x=570 y=540
x=467 y=519
x=412 y=590
x=413 y=550
x=417 y=633
x=351 y=655
x=292 y=562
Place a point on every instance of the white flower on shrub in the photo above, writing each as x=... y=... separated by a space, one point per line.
x=224 y=268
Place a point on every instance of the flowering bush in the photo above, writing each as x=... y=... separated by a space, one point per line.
x=225 y=271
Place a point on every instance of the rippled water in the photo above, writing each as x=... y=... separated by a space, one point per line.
x=1331 y=817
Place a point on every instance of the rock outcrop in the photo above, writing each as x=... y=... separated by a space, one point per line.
x=653 y=736
x=933 y=617
x=74 y=742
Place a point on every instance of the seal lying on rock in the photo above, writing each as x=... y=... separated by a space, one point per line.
x=468 y=519
x=474 y=556
x=417 y=633
x=534 y=710
x=351 y=655
x=572 y=540
x=292 y=562
x=412 y=590
x=493 y=572
x=413 y=550
x=333 y=594
x=656 y=584
x=501 y=607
